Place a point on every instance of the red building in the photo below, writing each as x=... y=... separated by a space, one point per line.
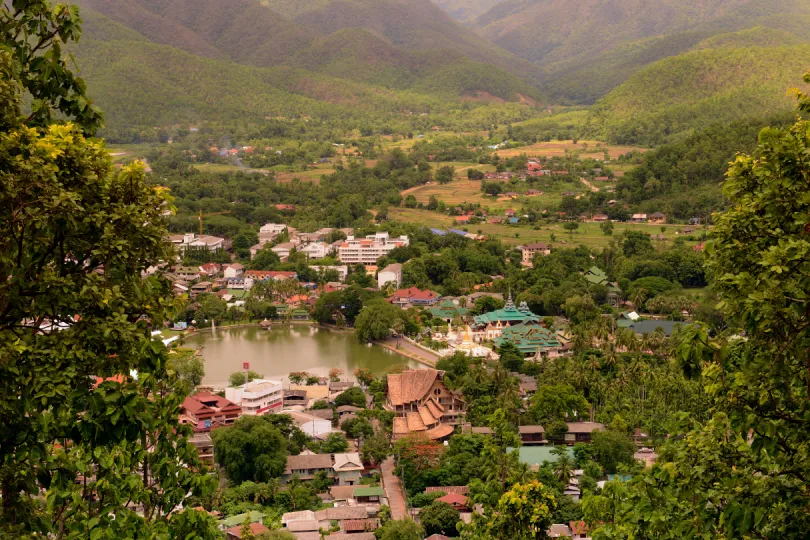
x=206 y=411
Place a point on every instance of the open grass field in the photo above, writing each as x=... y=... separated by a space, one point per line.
x=217 y=168
x=122 y=153
x=560 y=148
x=589 y=234
x=463 y=191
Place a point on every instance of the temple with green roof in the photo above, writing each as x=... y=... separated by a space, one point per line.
x=492 y=324
x=531 y=339
x=448 y=311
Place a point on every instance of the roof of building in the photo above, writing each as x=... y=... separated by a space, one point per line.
x=441 y=431
x=536 y=455
x=530 y=429
x=437 y=537
x=303 y=525
x=461 y=490
x=509 y=314
x=352 y=536
x=368 y=491
x=253 y=516
x=348 y=462
x=455 y=499
x=596 y=275
x=538 y=245
x=649 y=327
x=205 y=401
x=341 y=493
x=339 y=513
x=255 y=529
x=559 y=529
x=410 y=385
x=415 y=293
x=585 y=427
x=360 y=525
x=529 y=338
x=308 y=462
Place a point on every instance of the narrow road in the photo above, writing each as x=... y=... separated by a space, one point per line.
x=393 y=489
x=591 y=186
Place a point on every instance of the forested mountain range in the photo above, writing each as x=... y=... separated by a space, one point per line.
x=404 y=56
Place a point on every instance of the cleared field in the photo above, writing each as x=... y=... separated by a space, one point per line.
x=559 y=148
x=310 y=175
x=126 y=152
x=589 y=234
x=469 y=191
x=217 y=167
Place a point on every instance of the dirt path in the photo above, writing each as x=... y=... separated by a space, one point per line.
x=393 y=489
x=591 y=186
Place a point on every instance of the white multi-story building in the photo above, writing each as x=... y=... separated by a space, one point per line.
x=343 y=271
x=316 y=250
x=212 y=243
x=270 y=231
x=367 y=250
x=390 y=274
x=258 y=397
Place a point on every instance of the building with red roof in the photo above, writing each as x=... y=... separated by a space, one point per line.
x=414 y=296
x=235 y=533
x=205 y=411
x=457 y=501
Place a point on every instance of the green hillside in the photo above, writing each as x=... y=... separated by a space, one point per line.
x=138 y=83
x=416 y=25
x=242 y=30
x=680 y=94
x=293 y=8
x=366 y=57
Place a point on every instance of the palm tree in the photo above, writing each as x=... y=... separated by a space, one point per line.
x=564 y=466
x=638 y=298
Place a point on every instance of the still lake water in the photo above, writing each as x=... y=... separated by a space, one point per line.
x=278 y=351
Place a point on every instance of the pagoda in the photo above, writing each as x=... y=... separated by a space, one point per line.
x=492 y=324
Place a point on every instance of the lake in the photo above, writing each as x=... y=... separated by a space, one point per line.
x=280 y=350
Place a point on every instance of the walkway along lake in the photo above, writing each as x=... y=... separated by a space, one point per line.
x=280 y=350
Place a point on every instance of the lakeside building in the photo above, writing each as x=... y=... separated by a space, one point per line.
x=205 y=411
x=258 y=397
x=367 y=250
x=423 y=403
x=490 y=326
x=414 y=297
x=448 y=311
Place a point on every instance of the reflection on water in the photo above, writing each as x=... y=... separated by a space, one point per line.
x=278 y=351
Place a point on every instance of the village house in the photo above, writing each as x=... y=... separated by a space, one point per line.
x=414 y=296
x=191 y=240
x=233 y=270
x=256 y=529
x=306 y=464
x=210 y=269
x=270 y=231
x=277 y=275
x=423 y=403
x=639 y=218
x=532 y=435
x=530 y=250
x=204 y=445
x=599 y=218
x=187 y=273
x=348 y=468
x=201 y=288
x=283 y=250
x=205 y=411
x=390 y=274
x=579 y=432
x=368 y=250
x=258 y=397
x=658 y=218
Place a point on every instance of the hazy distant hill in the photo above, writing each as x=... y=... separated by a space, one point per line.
x=415 y=25
x=466 y=10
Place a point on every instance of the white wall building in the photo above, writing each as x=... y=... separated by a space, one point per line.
x=316 y=250
x=233 y=270
x=367 y=250
x=390 y=274
x=213 y=243
x=269 y=231
x=342 y=271
x=258 y=397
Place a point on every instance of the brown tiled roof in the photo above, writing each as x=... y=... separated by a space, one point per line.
x=584 y=427
x=342 y=512
x=531 y=429
x=303 y=525
x=315 y=461
x=255 y=529
x=415 y=422
x=349 y=536
x=427 y=418
x=461 y=490
x=400 y=426
x=360 y=525
x=341 y=493
x=410 y=385
x=455 y=499
x=435 y=409
x=440 y=431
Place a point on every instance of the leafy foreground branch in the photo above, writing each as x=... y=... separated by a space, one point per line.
x=81 y=456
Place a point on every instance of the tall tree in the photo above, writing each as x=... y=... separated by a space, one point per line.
x=744 y=472
x=79 y=454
